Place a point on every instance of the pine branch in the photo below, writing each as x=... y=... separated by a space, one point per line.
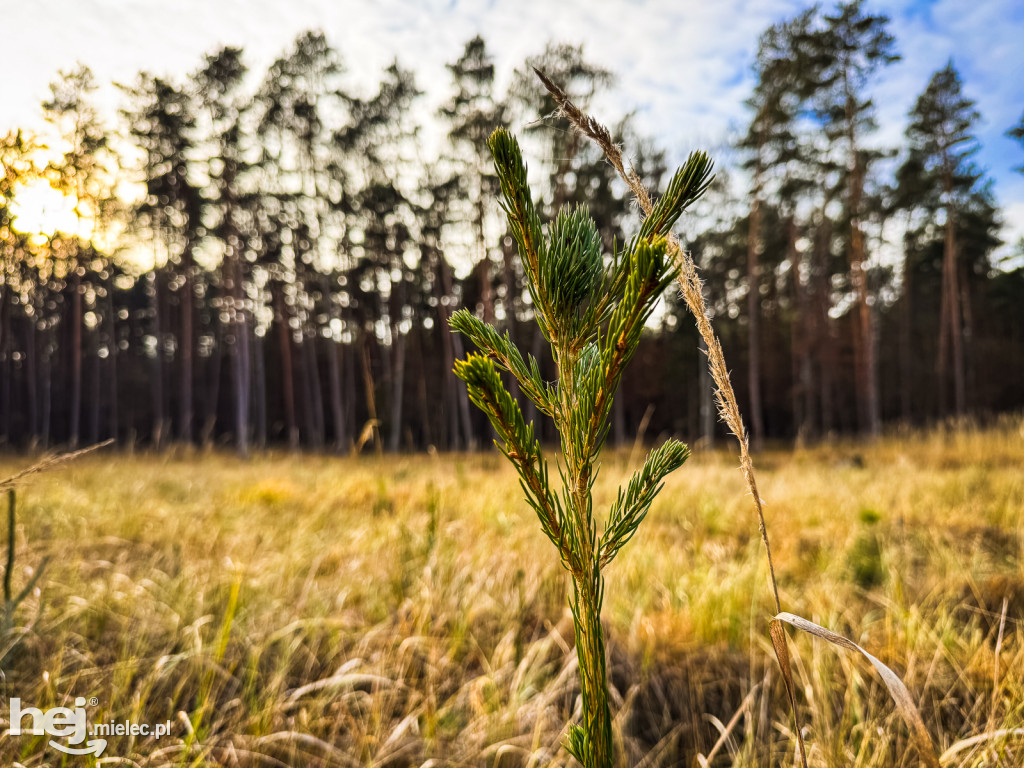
x=631 y=507
x=520 y=446
x=501 y=349
x=648 y=276
x=523 y=220
x=687 y=185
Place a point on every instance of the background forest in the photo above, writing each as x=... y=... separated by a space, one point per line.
x=264 y=258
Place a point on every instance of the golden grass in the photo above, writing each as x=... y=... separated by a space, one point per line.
x=403 y=611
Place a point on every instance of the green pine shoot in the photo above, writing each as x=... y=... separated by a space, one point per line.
x=592 y=315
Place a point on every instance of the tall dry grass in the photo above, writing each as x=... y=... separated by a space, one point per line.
x=399 y=612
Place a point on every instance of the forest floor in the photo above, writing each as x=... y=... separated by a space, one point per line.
x=407 y=610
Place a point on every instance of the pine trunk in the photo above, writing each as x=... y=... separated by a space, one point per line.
x=314 y=395
x=243 y=382
x=511 y=311
x=334 y=377
x=259 y=386
x=950 y=328
x=967 y=359
x=282 y=319
x=76 y=357
x=113 y=350
x=906 y=351
x=156 y=364
x=397 y=389
x=707 y=398
x=32 y=380
x=185 y=344
x=864 y=342
x=213 y=384
x=588 y=591
x=803 y=375
x=95 y=386
x=370 y=387
x=46 y=388
x=824 y=340
x=5 y=375
x=753 y=325
x=461 y=414
x=426 y=430
x=865 y=377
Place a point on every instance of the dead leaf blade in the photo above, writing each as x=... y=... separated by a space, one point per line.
x=897 y=690
x=780 y=644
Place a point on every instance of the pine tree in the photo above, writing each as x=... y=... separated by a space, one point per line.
x=472 y=113
x=81 y=173
x=300 y=96
x=222 y=103
x=842 y=58
x=17 y=167
x=161 y=121
x=455 y=428
x=941 y=144
x=771 y=146
x=378 y=137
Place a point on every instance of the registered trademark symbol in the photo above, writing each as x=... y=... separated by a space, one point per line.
x=93 y=701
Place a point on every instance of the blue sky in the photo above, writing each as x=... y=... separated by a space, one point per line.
x=682 y=65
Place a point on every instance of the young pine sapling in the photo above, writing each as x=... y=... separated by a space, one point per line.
x=592 y=313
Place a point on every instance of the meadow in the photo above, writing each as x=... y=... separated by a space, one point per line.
x=299 y=610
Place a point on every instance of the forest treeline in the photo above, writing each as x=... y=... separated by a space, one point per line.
x=287 y=276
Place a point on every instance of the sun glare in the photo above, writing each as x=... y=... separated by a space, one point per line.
x=39 y=209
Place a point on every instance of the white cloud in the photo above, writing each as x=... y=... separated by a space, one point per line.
x=683 y=66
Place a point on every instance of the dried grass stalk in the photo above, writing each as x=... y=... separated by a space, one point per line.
x=729 y=412
x=693 y=295
x=48 y=463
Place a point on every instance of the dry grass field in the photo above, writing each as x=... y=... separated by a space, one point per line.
x=407 y=611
